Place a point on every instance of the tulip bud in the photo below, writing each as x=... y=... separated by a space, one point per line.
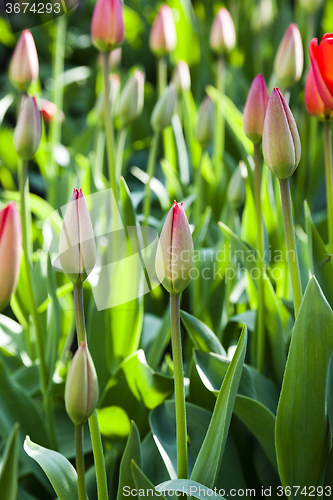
x=107 y=25
x=288 y=64
x=181 y=77
x=174 y=257
x=23 y=69
x=28 y=130
x=131 y=99
x=10 y=251
x=77 y=248
x=236 y=189
x=313 y=102
x=222 y=35
x=49 y=111
x=255 y=109
x=81 y=390
x=164 y=109
x=321 y=59
x=280 y=141
x=204 y=129
x=163 y=37
x=262 y=15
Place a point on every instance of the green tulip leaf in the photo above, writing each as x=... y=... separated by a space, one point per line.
x=143 y=484
x=202 y=337
x=190 y=487
x=9 y=465
x=132 y=452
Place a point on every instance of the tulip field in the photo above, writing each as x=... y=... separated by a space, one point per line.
x=166 y=249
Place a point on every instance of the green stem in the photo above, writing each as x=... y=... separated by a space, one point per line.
x=162 y=74
x=219 y=120
x=179 y=387
x=120 y=150
x=150 y=172
x=260 y=263
x=198 y=189
x=79 y=313
x=80 y=469
x=33 y=308
x=109 y=127
x=329 y=180
x=291 y=244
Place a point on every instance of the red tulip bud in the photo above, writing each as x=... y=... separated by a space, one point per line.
x=23 y=69
x=174 y=257
x=49 y=111
x=107 y=25
x=313 y=102
x=181 y=77
x=321 y=58
x=288 y=65
x=255 y=109
x=77 y=247
x=280 y=141
x=81 y=390
x=163 y=37
x=28 y=130
x=222 y=35
x=10 y=251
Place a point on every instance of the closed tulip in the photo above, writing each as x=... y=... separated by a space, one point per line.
x=181 y=77
x=288 y=65
x=163 y=37
x=23 y=69
x=313 y=102
x=222 y=35
x=107 y=25
x=28 y=130
x=236 y=189
x=131 y=99
x=204 y=129
x=280 y=141
x=164 y=109
x=10 y=251
x=77 y=247
x=174 y=257
x=321 y=58
x=255 y=109
x=81 y=390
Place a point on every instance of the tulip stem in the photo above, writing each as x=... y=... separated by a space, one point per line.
x=181 y=430
x=109 y=127
x=150 y=172
x=329 y=180
x=260 y=263
x=33 y=309
x=95 y=435
x=162 y=75
x=80 y=469
x=121 y=139
x=219 y=119
x=291 y=244
x=198 y=186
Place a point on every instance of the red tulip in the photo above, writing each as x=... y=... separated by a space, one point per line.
x=255 y=109
x=23 y=69
x=163 y=37
x=10 y=251
x=107 y=25
x=313 y=102
x=321 y=58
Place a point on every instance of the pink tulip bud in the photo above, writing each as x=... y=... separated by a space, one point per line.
x=204 y=129
x=222 y=35
x=255 y=109
x=107 y=25
x=280 y=141
x=28 y=130
x=313 y=102
x=131 y=99
x=163 y=37
x=288 y=65
x=23 y=69
x=10 y=251
x=77 y=247
x=81 y=390
x=181 y=77
x=174 y=257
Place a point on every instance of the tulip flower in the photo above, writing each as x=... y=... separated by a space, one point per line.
x=204 y=129
x=163 y=37
x=280 y=142
x=164 y=109
x=181 y=77
x=81 y=390
x=28 y=130
x=107 y=25
x=131 y=99
x=313 y=102
x=174 y=257
x=222 y=35
x=77 y=247
x=236 y=189
x=321 y=58
x=288 y=64
x=23 y=69
x=255 y=109
x=10 y=251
